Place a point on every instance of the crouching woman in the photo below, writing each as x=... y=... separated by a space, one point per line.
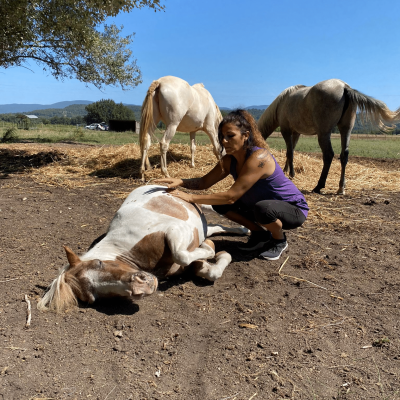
x=262 y=198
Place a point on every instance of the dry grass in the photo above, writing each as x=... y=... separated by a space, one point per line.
x=82 y=166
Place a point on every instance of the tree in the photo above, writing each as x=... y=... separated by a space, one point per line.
x=64 y=37
x=104 y=110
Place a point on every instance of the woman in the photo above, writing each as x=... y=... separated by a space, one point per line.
x=262 y=198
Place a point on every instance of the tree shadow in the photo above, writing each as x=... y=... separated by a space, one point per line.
x=130 y=167
x=17 y=161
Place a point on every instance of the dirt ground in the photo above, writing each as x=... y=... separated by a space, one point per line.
x=324 y=326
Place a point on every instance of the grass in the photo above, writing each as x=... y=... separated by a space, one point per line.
x=372 y=148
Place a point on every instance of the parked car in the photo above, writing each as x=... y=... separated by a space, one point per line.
x=103 y=126
x=92 y=126
x=97 y=126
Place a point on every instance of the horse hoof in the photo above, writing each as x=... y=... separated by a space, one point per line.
x=341 y=191
x=317 y=190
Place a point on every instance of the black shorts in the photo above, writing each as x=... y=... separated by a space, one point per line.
x=267 y=211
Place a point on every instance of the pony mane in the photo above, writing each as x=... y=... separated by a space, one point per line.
x=198 y=84
x=269 y=118
x=60 y=294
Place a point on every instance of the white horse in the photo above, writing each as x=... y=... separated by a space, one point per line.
x=153 y=234
x=181 y=107
x=316 y=110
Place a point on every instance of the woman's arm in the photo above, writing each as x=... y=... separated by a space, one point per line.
x=259 y=165
x=215 y=175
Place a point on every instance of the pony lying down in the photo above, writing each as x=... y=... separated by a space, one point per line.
x=152 y=235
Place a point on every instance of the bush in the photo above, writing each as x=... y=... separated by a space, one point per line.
x=78 y=134
x=10 y=135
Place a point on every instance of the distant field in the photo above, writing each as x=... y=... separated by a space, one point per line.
x=360 y=145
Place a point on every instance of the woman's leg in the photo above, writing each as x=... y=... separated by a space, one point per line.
x=238 y=213
x=275 y=216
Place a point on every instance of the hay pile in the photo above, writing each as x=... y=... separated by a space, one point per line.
x=80 y=166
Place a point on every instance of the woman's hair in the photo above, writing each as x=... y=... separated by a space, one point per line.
x=246 y=123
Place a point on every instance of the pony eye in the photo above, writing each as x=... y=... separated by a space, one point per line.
x=100 y=264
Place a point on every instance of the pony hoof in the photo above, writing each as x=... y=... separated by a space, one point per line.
x=341 y=191
x=317 y=190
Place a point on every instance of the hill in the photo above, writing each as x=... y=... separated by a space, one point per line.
x=257 y=107
x=28 y=108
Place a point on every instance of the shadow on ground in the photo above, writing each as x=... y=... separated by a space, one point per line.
x=130 y=167
x=17 y=161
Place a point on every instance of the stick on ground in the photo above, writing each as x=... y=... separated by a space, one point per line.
x=28 y=313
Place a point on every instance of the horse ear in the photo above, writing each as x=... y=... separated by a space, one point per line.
x=73 y=259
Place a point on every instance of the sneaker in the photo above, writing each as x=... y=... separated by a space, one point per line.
x=274 y=249
x=257 y=240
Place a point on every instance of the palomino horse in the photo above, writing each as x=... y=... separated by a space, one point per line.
x=181 y=107
x=152 y=234
x=316 y=110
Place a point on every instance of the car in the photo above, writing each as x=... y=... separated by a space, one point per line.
x=92 y=126
x=103 y=126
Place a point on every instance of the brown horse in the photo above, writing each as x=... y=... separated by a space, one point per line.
x=152 y=234
x=316 y=110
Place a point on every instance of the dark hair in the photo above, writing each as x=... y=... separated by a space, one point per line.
x=246 y=123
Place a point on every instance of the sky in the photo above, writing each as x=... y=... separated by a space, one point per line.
x=244 y=52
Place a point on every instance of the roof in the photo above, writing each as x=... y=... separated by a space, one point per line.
x=31 y=116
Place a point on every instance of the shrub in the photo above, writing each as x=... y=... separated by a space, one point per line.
x=10 y=135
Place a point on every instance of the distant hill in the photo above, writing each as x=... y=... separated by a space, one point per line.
x=25 y=108
x=76 y=108
x=257 y=107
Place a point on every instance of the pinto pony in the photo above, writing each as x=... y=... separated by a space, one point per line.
x=316 y=110
x=152 y=234
x=181 y=107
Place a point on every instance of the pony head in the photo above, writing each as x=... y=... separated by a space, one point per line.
x=92 y=279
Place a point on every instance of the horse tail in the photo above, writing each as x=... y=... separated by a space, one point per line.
x=146 y=118
x=269 y=120
x=60 y=295
x=373 y=112
x=218 y=118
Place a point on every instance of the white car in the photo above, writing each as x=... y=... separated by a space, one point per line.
x=97 y=127
x=92 y=126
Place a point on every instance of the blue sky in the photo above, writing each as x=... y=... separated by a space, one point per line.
x=245 y=52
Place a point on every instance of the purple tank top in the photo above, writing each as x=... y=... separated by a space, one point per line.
x=275 y=187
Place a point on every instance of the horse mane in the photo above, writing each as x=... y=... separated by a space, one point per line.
x=61 y=293
x=269 y=118
x=199 y=85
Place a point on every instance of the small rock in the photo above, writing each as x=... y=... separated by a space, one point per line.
x=369 y=202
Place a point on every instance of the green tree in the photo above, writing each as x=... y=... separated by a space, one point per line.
x=68 y=38
x=104 y=110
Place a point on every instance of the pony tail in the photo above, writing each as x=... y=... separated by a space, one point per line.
x=146 y=118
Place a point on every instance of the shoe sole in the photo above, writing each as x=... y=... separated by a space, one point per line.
x=256 y=247
x=277 y=257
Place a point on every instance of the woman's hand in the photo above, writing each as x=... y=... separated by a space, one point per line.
x=171 y=183
x=182 y=195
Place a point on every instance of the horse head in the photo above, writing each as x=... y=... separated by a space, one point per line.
x=88 y=280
